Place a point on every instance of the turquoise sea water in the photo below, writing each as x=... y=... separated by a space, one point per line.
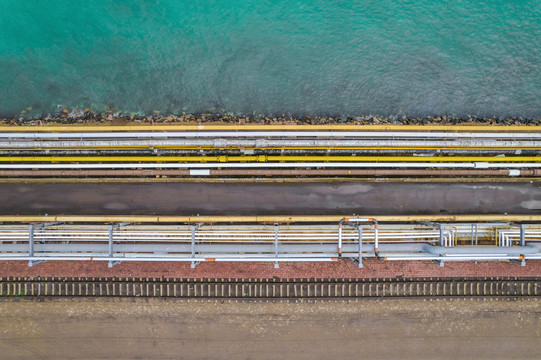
x=348 y=57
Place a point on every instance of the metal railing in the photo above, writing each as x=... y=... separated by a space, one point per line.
x=351 y=238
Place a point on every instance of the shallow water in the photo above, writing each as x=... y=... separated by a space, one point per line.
x=349 y=57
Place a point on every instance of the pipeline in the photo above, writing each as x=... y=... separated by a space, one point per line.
x=344 y=221
x=316 y=242
x=247 y=165
x=265 y=151
x=265 y=159
x=270 y=172
x=462 y=250
x=272 y=143
x=266 y=134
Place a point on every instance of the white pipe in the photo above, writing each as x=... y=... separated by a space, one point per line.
x=406 y=251
x=340 y=238
x=470 y=165
x=187 y=259
x=237 y=134
x=453 y=258
x=376 y=238
x=265 y=143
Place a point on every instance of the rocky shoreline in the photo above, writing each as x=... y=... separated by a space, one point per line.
x=89 y=117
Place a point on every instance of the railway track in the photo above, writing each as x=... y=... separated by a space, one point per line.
x=269 y=288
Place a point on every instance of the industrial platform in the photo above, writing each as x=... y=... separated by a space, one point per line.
x=268 y=151
x=277 y=153
x=293 y=239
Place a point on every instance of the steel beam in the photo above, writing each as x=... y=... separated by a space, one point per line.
x=194 y=263
x=276 y=228
x=31 y=244
x=522 y=260
x=360 y=259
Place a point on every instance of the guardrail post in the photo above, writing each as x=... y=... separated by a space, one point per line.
x=360 y=260
x=439 y=262
x=522 y=260
x=349 y=221
x=522 y=243
x=31 y=240
x=193 y=263
x=111 y=253
x=31 y=262
x=473 y=234
x=376 y=238
x=30 y=243
x=340 y=239
x=276 y=264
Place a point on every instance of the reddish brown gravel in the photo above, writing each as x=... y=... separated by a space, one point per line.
x=345 y=269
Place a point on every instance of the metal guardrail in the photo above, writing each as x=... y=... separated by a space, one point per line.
x=439 y=242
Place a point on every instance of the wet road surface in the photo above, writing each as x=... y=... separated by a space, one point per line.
x=270 y=199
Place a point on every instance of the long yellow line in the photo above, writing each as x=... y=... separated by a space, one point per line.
x=252 y=127
x=263 y=219
x=267 y=158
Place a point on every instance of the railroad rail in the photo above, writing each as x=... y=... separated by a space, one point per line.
x=269 y=288
x=350 y=238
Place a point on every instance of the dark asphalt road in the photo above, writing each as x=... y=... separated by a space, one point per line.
x=269 y=199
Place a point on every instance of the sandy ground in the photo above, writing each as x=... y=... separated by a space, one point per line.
x=201 y=329
x=270 y=199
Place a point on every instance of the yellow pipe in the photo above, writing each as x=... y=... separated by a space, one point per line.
x=267 y=158
x=263 y=219
x=78 y=148
x=253 y=127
